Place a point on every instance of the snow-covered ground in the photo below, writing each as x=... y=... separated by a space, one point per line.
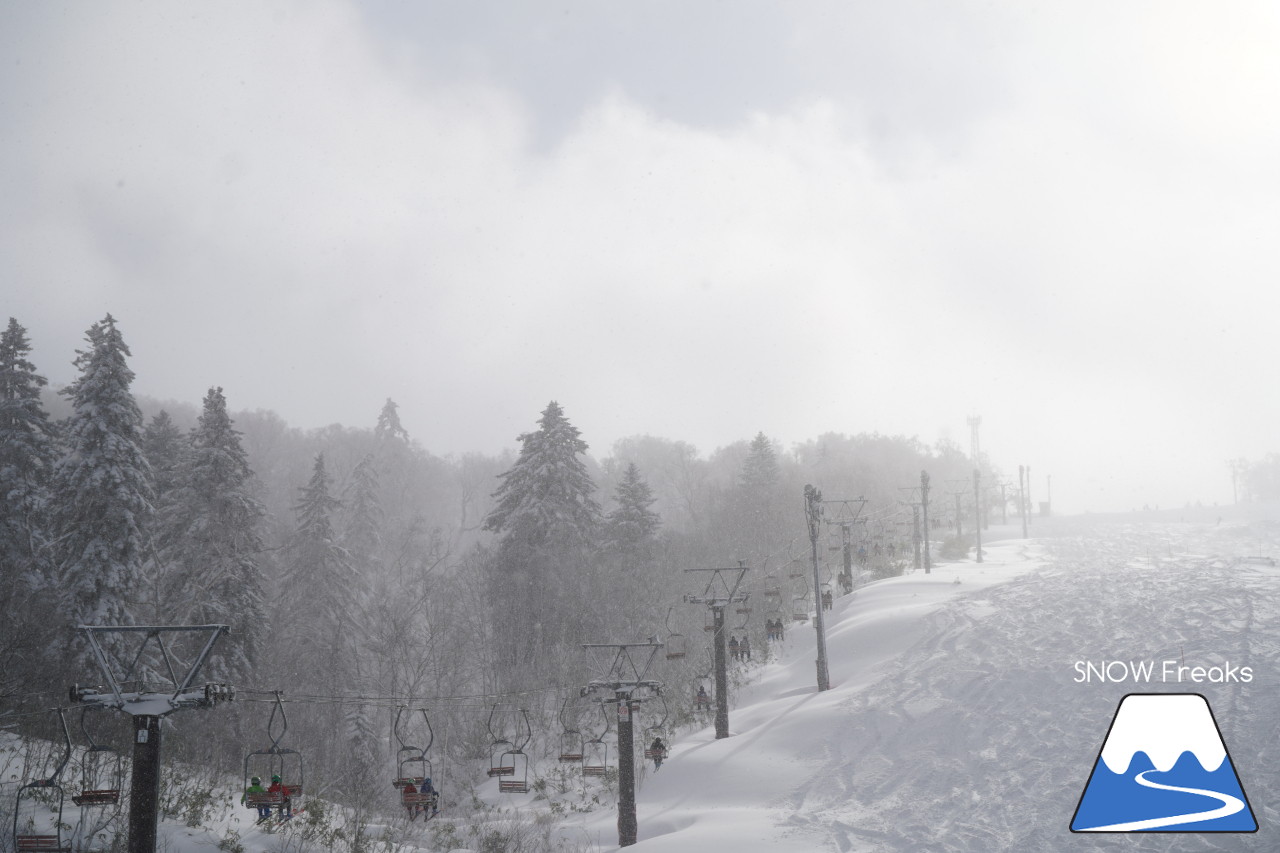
x=956 y=721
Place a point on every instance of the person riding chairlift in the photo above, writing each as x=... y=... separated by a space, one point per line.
x=255 y=787
x=658 y=750
x=286 y=804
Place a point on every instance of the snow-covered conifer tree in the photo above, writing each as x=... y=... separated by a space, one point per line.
x=760 y=529
x=319 y=588
x=27 y=454
x=388 y=427
x=363 y=534
x=546 y=497
x=163 y=444
x=548 y=522
x=631 y=526
x=211 y=520
x=102 y=486
x=760 y=468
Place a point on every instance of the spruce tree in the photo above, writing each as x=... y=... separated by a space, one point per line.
x=545 y=498
x=363 y=534
x=163 y=444
x=631 y=526
x=319 y=588
x=760 y=468
x=388 y=428
x=211 y=521
x=102 y=486
x=27 y=456
x=548 y=522
x=761 y=530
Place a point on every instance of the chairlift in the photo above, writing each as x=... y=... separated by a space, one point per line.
x=705 y=685
x=414 y=771
x=275 y=760
x=595 y=752
x=800 y=608
x=656 y=730
x=796 y=568
x=101 y=771
x=571 y=740
x=511 y=765
x=37 y=811
x=677 y=644
x=498 y=747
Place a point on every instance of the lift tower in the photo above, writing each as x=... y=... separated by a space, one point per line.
x=720 y=592
x=622 y=677
x=153 y=685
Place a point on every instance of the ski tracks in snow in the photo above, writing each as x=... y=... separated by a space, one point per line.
x=982 y=740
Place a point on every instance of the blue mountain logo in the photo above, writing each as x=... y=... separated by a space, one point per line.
x=1163 y=767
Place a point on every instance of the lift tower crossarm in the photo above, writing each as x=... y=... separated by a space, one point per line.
x=177 y=695
x=627 y=672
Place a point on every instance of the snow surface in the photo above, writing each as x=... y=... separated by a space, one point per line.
x=955 y=721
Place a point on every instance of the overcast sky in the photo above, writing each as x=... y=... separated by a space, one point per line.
x=698 y=220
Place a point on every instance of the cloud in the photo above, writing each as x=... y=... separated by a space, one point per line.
x=1002 y=211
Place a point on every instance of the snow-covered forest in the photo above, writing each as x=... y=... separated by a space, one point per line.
x=359 y=572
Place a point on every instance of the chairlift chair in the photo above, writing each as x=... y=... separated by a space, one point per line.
x=414 y=769
x=655 y=730
x=571 y=740
x=498 y=749
x=512 y=764
x=275 y=760
x=595 y=752
x=677 y=644
x=101 y=771
x=42 y=798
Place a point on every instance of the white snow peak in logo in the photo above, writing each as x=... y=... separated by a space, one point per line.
x=1163 y=767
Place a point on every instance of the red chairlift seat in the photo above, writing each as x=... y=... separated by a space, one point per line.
x=513 y=786
x=264 y=798
x=103 y=797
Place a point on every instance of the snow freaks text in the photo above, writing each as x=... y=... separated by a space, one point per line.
x=1168 y=671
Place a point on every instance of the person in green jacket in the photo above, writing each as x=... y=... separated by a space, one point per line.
x=255 y=787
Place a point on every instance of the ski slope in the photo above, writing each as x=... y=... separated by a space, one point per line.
x=956 y=722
